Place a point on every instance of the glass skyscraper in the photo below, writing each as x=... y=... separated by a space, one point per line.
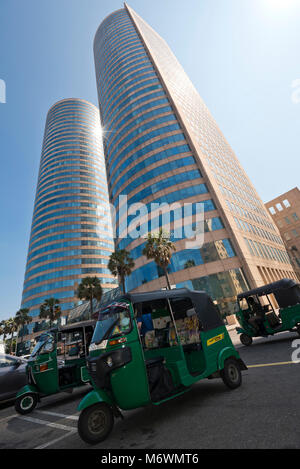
x=71 y=234
x=161 y=144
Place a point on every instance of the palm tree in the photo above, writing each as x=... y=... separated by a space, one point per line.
x=159 y=248
x=88 y=289
x=5 y=329
x=121 y=264
x=10 y=327
x=13 y=327
x=51 y=310
x=22 y=318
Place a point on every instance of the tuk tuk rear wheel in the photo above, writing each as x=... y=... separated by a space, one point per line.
x=298 y=329
x=231 y=373
x=246 y=339
x=95 y=423
x=26 y=403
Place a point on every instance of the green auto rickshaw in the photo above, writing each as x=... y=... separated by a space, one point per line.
x=269 y=310
x=148 y=348
x=57 y=363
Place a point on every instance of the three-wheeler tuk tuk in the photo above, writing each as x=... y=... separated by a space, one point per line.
x=57 y=363
x=148 y=348
x=269 y=310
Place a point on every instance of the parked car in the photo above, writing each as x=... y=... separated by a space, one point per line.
x=25 y=357
x=12 y=376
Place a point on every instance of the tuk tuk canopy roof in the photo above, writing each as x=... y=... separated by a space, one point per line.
x=77 y=325
x=270 y=288
x=207 y=311
x=286 y=292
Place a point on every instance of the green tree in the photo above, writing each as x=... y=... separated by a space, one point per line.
x=159 y=248
x=11 y=328
x=2 y=327
x=51 y=310
x=22 y=318
x=5 y=330
x=88 y=289
x=121 y=264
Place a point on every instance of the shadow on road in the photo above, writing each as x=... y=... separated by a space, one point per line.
x=7 y=405
x=143 y=421
x=63 y=398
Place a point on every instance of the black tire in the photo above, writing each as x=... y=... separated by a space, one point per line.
x=95 y=423
x=246 y=340
x=231 y=373
x=298 y=329
x=26 y=403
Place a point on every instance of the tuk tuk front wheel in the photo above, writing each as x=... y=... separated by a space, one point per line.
x=95 y=423
x=26 y=403
x=246 y=339
x=231 y=373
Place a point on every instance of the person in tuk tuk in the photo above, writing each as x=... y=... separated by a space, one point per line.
x=258 y=316
x=144 y=322
x=74 y=351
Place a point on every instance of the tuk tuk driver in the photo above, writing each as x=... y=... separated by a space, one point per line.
x=258 y=316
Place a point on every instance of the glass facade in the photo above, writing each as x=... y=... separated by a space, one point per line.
x=148 y=157
x=71 y=234
x=162 y=145
x=144 y=139
x=184 y=259
x=223 y=288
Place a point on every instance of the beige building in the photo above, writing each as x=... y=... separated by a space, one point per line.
x=285 y=211
x=162 y=145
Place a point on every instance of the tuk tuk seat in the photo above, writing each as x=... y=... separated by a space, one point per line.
x=192 y=347
x=153 y=361
x=272 y=319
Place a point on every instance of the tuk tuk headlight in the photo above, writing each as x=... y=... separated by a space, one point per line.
x=109 y=362
x=101 y=346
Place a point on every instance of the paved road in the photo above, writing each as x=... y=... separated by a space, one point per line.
x=263 y=413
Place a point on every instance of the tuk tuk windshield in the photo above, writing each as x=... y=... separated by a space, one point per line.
x=44 y=345
x=112 y=321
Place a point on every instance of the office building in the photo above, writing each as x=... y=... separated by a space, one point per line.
x=71 y=234
x=162 y=145
x=285 y=211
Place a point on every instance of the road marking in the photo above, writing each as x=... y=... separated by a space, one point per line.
x=46 y=423
x=52 y=442
x=56 y=414
x=70 y=430
x=272 y=364
x=8 y=418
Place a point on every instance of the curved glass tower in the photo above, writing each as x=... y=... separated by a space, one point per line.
x=162 y=145
x=71 y=235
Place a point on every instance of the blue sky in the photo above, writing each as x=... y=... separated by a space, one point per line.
x=242 y=56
